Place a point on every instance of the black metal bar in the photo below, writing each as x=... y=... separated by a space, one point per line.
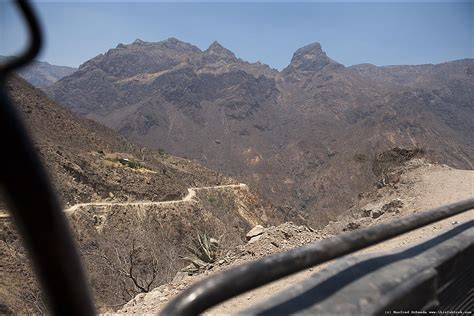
x=34 y=44
x=32 y=201
x=401 y=279
x=238 y=280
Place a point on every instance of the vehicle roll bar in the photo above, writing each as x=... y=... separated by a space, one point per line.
x=227 y=284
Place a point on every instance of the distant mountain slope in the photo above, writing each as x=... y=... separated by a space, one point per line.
x=41 y=74
x=307 y=136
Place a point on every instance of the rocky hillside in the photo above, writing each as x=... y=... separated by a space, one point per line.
x=41 y=74
x=131 y=248
x=89 y=162
x=412 y=186
x=136 y=213
x=307 y=137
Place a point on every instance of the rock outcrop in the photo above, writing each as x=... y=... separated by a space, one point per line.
x=310 y=58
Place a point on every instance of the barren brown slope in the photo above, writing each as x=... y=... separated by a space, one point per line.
x=84 y=158
x=307 y=137
x=133 y=213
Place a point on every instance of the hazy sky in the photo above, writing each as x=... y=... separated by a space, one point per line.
x=351 y=33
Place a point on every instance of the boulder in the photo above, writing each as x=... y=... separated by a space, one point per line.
x=377 y=213
x=256 y=231
x=180 y=276
x=351 y=226
x=393 y=206
x=254 y=239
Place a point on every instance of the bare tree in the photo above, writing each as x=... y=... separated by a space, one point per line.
x=136 y=267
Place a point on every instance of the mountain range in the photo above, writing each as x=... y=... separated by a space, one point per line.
x=41 y=74
x=309 y=137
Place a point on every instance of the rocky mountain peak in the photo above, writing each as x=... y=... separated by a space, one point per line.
x=175 y=44
x=215 y=46
x=172 y=41
x=138 y=42
x=310 y=58
x=216 y=49
x=314 y=48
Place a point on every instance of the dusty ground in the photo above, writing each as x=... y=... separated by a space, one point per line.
x=420 y=187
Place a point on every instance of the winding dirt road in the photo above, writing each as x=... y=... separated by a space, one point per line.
x=188 y=198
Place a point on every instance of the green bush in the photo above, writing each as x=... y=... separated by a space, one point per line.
x=211 y=199
x=128 y=163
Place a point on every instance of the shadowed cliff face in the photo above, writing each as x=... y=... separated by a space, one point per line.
x=306 y=136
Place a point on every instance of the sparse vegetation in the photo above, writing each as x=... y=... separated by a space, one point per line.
x=133 y=164
x=129 y=264
x=212 y=199
x=203 y=249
